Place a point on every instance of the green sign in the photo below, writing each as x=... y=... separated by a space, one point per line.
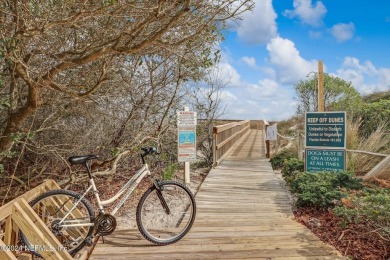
x=317 y=160
x=325 y=129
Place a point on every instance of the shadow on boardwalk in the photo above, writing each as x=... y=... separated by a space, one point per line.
x=242 y=213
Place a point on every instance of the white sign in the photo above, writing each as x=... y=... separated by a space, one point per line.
x=186 y=143
x=186 y=118
x=272 y=133
x=186 y=136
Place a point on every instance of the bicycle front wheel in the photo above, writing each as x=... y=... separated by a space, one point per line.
x=73 y=230
x=166 y=214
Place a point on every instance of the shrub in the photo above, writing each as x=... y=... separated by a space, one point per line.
x=323 y=189
x=373 y=115
x=277 y=160
x=372 y=205
x=169 y=172
x=291 y=168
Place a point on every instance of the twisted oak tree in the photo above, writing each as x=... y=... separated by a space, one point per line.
x=50 y=47
x=100 y=69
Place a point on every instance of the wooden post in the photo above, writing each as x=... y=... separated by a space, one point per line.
x=187 y=164
x=321 y=100
x=267 y=145
x=214 y=147
x=300 y=146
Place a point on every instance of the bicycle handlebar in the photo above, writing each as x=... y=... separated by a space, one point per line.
x=147 y=151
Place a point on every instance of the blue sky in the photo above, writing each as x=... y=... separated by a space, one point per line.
x=281 y=41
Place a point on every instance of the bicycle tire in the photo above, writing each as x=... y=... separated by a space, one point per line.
x=57 y=197
x=152 y=219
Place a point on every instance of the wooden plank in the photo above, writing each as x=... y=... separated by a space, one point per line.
x=222 y=128
x=9 y=234
x=6 y=254
x=378 y=169
x=230 y=149
x=242 y=213
x=36 y=232
x=6 y=209
x=220 y=145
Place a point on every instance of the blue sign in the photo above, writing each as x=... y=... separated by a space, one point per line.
x=318 y=160
x=186 y=137
x=325 y=129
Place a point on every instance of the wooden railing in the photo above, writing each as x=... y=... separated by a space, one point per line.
x=18 y=215
x=226 y=137
x=381 y=166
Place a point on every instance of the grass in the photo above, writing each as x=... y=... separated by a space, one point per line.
x=377 y=142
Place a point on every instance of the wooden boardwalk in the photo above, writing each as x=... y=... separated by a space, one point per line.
x=242 y=213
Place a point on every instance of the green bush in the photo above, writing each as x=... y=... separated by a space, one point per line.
x=372 y=205
x=373 y=115
x=291 y=168
x=277 y=160
x=323 y=189
x=169 y=172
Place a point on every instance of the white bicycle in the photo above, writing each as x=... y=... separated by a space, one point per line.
x=165 y=212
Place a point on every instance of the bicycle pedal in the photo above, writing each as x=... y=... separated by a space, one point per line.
x=89 y=241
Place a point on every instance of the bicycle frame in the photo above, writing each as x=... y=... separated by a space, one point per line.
x=129 y=187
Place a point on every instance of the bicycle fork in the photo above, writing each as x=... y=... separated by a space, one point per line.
x=161 y=197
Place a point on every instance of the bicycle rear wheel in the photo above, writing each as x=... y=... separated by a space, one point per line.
x=72 y=233
x=165 y=215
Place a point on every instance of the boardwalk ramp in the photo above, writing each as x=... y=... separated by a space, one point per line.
x=243 y=212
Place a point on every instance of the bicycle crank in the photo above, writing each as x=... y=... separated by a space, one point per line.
x=105 y=224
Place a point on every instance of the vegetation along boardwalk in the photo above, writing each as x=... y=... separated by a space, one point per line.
x=243 y=213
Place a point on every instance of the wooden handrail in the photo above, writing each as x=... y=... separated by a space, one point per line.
x=382 y=165
x=17 y=214
x=225 y=137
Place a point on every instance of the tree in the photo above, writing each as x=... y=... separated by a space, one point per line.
x=205 y=97
x=97 y=77
x=339 y=95
x=53 y=51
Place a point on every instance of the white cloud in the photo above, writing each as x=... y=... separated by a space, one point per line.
x=259 y=26
x=367 y=67
x=256 y=101
x=290 y=66
x=365 y=77
x=250 y=61
x=265 y=88
x=343 y=31
x=307 y=12
x=226 y=96
x=228 y=74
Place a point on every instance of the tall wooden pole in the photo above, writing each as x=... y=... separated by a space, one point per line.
x=321 y=101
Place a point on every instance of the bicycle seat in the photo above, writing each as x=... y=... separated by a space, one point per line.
x=81 y=159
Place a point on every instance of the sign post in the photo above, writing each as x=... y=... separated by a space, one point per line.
x=186 y=126
x=272 y=133
x=325 y=141
x=321 y=98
